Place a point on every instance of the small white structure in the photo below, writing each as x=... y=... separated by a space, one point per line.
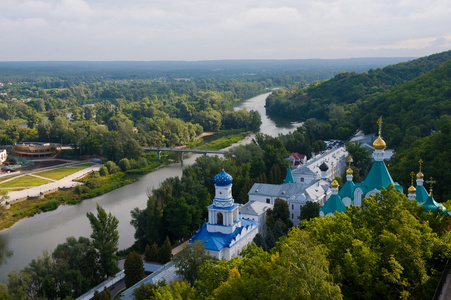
x=3 y=156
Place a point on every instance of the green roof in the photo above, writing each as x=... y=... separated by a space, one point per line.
x=332 y=205
x=421 y=194
x=347 y=190
x=378 y=177
x=289 y=178
x=431 y=206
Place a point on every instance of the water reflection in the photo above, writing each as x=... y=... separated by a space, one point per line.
x=4 y=250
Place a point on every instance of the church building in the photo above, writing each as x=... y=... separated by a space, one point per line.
x=226 y=233
x=377 y=178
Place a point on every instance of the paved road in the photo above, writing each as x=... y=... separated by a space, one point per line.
x=65 y=182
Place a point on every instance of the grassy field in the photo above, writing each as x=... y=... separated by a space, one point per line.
x=218 y=140
x=25 y=180
x=223 y=142
x=28 y=208
x=57 y=174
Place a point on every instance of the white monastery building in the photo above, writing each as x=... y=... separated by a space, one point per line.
x=308 y=182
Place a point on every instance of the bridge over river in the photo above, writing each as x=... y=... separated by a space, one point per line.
x=183 y=150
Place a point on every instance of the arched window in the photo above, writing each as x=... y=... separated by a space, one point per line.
x=219 y=218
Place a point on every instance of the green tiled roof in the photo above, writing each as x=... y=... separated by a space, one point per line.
x=421 y=194
x=289 y=178
x=431 y=206
x=378 y=177
x=347 y=190
x=332 y=205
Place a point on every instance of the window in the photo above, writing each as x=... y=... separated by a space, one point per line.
x=302 y=179
x=292 y=206
x=292 y=216
x=268 y=200
x=219 y=218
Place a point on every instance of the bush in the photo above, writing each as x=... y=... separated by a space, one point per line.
x=94 y=183
x=124 y=164
x=48 y=206
x=103 y=171
x=112 y=167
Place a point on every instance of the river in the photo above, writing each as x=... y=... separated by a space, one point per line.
x=27 y=239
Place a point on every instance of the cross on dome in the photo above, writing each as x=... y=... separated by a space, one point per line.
x=431 y=182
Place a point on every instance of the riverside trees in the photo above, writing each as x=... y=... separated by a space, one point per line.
x=74 y=266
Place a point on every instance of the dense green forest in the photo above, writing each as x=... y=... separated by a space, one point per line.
x=389 y=248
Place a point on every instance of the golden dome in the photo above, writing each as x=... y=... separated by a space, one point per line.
x=349 y=171
x=420 y=175
x=412 y=189
x=334 y=184
x=379 y=143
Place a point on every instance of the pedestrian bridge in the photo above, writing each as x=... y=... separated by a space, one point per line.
x=183 y=150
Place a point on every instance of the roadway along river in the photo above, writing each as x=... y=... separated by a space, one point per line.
x=28 y=238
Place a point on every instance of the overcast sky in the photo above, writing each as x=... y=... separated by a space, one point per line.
x=99 y=30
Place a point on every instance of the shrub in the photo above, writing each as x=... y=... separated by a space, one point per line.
x=103 y=171
x=112 y=167
x=124 y=164
x=48 y=206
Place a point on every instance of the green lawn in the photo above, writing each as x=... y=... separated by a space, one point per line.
x=86 y=164
x=23 y=181
x=57 y=174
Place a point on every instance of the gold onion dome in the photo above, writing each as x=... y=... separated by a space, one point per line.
x=334 y=184
x=412 y=189
x=420 y=175
x=349 y=171
x=379 y=143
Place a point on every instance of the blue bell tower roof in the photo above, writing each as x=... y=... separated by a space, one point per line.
x=223 y=179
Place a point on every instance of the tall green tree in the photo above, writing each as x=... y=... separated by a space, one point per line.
x=189 y=261
x=133 y=269
x=309 y=211
x=165 y=252
x=105 y=238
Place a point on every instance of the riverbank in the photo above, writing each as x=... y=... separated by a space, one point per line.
x=62 y=192
x=52 y=198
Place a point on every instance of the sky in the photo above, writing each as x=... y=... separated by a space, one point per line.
x=191 y=30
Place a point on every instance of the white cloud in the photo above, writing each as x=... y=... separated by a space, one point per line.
x=216 y=29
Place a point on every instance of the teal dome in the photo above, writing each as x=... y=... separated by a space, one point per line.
x=223 y=179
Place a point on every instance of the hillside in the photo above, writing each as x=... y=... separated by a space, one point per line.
x=414 y=100
x=349 y=89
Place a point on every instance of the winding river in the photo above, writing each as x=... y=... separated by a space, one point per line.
x=28 y=238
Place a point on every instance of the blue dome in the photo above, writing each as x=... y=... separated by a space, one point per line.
x=223 y=179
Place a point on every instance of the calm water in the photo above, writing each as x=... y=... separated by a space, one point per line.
x=27 y=239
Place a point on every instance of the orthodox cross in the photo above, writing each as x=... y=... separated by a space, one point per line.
x=412 y=174
x=420 y=162
x=349 y=160
x=335 y=170
x=379 y=121
x=431 y=181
